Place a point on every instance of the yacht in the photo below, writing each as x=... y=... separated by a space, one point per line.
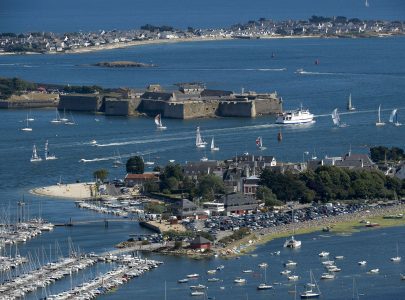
x=309 y=293
x=323 y=254
x=362 y=263
x=290 y=263
x=396 y=258
x=298 y=116
x=285 y=272
x=240 y=280
x=374 y=271
x=35 y=157
x=328 y=276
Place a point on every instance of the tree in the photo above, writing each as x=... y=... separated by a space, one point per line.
x=155 y=208
x=210 y=185
x=150 y=186
x=101 y=174
x=135 y=165
x=265 y=194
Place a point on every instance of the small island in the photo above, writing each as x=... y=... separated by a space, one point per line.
x=123 y=64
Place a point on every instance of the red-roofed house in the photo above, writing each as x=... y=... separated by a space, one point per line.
x=140 y=179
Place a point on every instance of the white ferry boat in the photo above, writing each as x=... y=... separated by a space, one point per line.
x=298 y=116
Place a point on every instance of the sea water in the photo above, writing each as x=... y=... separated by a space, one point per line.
x=370 y=69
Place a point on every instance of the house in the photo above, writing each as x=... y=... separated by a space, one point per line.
x=185 y=208
x=196 y=169
x=140 y=179
x=200 y=243
x=261 y=160
x=250 y=185
x=236 y=203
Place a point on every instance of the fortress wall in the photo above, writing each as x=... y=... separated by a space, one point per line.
x=152 y=107
x=237 y=109
x=80 y=102
x=268 y=106
x=200 y=109
x=121 y=107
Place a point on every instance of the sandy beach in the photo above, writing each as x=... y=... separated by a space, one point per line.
x=74 y=191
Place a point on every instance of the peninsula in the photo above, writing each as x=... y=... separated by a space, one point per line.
x=77 y=42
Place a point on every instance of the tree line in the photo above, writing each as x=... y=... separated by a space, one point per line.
x=329 y=183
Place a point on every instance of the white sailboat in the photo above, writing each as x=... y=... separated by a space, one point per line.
x=64 y=118
x=309 y=293
x=259 y=143
x=350 y=107
x=394 y=117
x=366 y=4
x=396 y=258
x=47 y=155
x=379 y=123
x=57 y=119
x=264 y=286
x=158 y=122
x=117 y=162
x=35 y=157
x=292 y=242
x=336 y=119
x=213 y=147
x=149 y=162
x=31 y=119
x=199 y=142
x=204 y=158
x=71 y=121
x=26 y=128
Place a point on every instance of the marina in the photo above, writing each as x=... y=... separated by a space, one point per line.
x=361 y=242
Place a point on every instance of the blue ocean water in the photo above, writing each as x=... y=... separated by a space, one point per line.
x=75 y=15
x=372 y=70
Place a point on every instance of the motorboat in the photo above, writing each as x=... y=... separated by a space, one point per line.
x=328 y=276
x=290 y=263
x=239 y=280
x=323 y=254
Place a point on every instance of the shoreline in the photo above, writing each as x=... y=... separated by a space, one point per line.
x=338 y=224
x=122 y=45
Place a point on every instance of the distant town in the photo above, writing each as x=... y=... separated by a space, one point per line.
x=316 y=26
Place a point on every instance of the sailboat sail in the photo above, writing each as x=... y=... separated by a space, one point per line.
x=393 y=115
x=336 y=117
x=350 y=107
x=213 y=148
x=158 y=120
x=35 y=156
x=47 y=155
x=199 y=142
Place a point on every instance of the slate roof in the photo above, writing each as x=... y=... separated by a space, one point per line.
x=157 y=96
x=199 y=240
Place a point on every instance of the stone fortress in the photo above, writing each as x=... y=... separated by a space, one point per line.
x=190 y=100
